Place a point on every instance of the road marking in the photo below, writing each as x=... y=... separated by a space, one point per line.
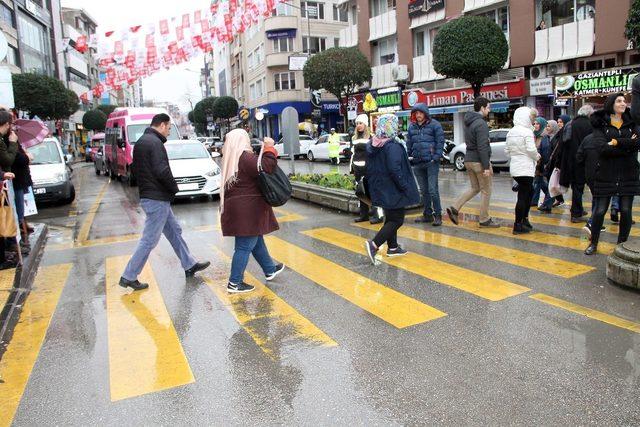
x=145 y=354
x=267 y=318
x=22 y=352
x=588 y=312
x=387 y=304
x=287 y=216
x=556 y=222
x=6 y=285
x=545 y=264
x=83 y=234
x=478 y=284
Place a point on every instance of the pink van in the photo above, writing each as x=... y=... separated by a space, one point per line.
x=124 y=127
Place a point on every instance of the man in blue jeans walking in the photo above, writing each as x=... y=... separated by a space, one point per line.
x=425 y=143
x=157 y=190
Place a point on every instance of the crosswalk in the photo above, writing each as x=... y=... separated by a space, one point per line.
x=145 y=351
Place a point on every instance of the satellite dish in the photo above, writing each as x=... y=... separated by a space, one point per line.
x=4 y=46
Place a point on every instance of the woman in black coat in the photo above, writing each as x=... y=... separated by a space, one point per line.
x=617 y=171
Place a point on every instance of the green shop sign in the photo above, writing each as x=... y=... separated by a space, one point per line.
x=391 y=99
x=596 y=83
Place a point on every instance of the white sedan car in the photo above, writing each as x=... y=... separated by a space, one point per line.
x=499 y=158
x=320 y=150
x=193 y=168
x=305 y=142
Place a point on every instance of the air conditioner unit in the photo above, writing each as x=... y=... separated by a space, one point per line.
x=557 y=68
x=538 y=72
x=400 y=73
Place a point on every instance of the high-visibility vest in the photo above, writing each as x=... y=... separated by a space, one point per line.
x=334 y=145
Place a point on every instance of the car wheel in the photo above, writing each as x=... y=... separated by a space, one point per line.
x=72 y=196
x=310 y=156
x=458 y=162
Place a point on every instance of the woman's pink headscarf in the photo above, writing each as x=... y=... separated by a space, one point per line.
x=236 y=142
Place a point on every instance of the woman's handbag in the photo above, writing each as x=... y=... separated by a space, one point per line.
x=8 y=225
x=275 y=187
x=555 y=189
x=362 y=191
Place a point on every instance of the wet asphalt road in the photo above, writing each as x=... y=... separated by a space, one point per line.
x=472 y=328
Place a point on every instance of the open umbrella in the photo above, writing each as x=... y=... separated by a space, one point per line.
x=30 y=132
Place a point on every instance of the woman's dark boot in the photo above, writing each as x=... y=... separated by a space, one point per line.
x=527 y=225
x=519 y=228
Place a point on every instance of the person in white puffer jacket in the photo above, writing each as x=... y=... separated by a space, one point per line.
x=521 y=148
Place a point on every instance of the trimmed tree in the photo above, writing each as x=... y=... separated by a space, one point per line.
x=632 y=28
x=95 y=120
x=43 y=96
x=201 y=110
x=471 y=48
x=225 y=108
x=107 y=108
x=340 y=71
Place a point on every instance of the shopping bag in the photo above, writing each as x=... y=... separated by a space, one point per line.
x=30 y=208
x=8 y=219
x=555 y=189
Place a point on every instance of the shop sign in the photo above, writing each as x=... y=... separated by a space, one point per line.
x=331 y=107
x=596 y=83
x=389 y=101
x=541 y=87
x=420 y=7
x=281 y=34
x=495 y=92
x=355 y=103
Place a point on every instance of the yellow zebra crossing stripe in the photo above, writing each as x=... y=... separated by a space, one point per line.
x=6 y=285
x=145 y=354
x=588 y=312
x=267 y=318
x=17 y=362
x=385 y=303
x=545 y=264
x=478 y=284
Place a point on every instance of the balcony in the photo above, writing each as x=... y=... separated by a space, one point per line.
x=563 y=42
x=278 y=59
x=382 y=76
x=428 y=18
x=77 y=62
x=287 y=95
x=470 y=5
x=78 y=88
x=349 y=36
x=382 y=25
x=280 y=23
x=423 y=69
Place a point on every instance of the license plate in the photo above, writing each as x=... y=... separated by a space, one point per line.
x=187 y=187
x=39 y=190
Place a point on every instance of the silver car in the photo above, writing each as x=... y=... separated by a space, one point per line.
x=499 y=158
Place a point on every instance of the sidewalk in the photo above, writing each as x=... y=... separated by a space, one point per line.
x=15 y=283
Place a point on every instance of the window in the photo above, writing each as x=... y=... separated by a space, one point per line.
x=379 y=7
x=32 y=34
x=253 y=30
x=419 y=44
x=500 y=17
x=560 y=12
x=317 y=44
x=252 y=92
x=285 y=81
x=283 y=45
x=282 y=9
x=250 y=61
x=340 y=14
x=336 y=42
x=6 y=15
x=12 y=57
x=385 y=52
x=315 y=9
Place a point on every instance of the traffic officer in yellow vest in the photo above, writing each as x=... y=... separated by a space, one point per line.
x=334 y=147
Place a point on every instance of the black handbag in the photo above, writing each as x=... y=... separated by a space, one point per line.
x=362 y=191
x=275 y=187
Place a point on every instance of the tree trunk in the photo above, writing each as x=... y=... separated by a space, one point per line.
x=346 y=112
x=476 y=89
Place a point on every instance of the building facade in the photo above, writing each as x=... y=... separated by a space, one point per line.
x=578 y=36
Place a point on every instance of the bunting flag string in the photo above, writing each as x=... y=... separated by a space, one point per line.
x=139 y=51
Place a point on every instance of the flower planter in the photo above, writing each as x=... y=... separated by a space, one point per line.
x=342 y=200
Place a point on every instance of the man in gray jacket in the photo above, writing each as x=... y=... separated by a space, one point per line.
x=478 y=163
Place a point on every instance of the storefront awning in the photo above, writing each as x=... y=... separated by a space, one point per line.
x=496 y=107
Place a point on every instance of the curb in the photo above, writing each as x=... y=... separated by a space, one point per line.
x=22 y=282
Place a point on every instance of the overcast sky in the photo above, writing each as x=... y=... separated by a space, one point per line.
x=173 y=85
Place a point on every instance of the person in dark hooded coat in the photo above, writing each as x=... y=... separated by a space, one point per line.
x=617 y=171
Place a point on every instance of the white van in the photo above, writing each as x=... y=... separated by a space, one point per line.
x=50 y=173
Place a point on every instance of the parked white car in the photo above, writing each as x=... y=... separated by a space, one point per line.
x=305 y=142
x=193 y=168
x=50 y=173
x=320 y=150
x=499 y=159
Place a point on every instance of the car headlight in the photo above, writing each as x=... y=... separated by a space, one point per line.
x=213 y=172
x=61 y=177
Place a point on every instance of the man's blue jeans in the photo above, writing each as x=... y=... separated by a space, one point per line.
x=540 y=184
x=160 y=220
x=246 y=246
x=427 y=176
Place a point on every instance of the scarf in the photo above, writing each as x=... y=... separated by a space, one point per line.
x=543 y=125
x=235 y=144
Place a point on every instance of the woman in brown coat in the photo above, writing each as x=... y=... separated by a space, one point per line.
x=245 y=213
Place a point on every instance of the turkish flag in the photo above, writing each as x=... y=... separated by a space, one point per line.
x=81 y=44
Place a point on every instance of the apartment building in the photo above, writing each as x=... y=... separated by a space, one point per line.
x=260 y=77
x=578 y=36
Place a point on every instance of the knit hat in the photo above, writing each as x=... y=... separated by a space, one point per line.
x=363 y=118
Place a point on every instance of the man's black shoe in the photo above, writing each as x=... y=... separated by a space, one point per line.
x=361 y=219
x=437 y=221
x=424 y=219
x=375 y=221
x=198 y=267
x=453 y=214
x=133 y=284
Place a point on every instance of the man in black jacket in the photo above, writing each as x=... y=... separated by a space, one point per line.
x=157 y=190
